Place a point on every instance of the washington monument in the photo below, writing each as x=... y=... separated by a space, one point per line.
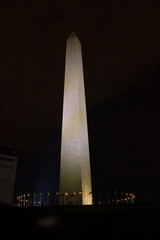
x=75 y=175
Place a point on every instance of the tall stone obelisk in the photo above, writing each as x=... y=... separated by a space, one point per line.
x=75 y=175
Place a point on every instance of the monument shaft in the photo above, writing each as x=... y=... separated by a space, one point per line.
x=75 y=176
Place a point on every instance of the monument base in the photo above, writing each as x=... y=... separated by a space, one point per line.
x=70 y=199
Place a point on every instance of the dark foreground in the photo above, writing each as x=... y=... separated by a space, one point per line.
x=121 y=222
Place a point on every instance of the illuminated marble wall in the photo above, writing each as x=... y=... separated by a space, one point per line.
x=75 y=175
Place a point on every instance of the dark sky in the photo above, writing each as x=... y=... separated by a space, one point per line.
x=121 y=55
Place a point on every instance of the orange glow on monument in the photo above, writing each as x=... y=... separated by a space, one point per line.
x=75 y=175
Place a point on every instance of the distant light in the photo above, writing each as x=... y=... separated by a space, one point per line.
x=47 y=222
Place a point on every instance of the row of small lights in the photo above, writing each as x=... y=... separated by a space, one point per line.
x=22 y=198
x=34 y=195
x=66 y=194
x=28 y=195
x=128 y=196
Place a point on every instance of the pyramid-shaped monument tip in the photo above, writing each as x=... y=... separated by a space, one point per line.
x=73 y=35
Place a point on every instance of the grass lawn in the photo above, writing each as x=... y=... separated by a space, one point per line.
x=76 y=222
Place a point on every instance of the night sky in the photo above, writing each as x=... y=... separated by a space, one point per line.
x=121 y=56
